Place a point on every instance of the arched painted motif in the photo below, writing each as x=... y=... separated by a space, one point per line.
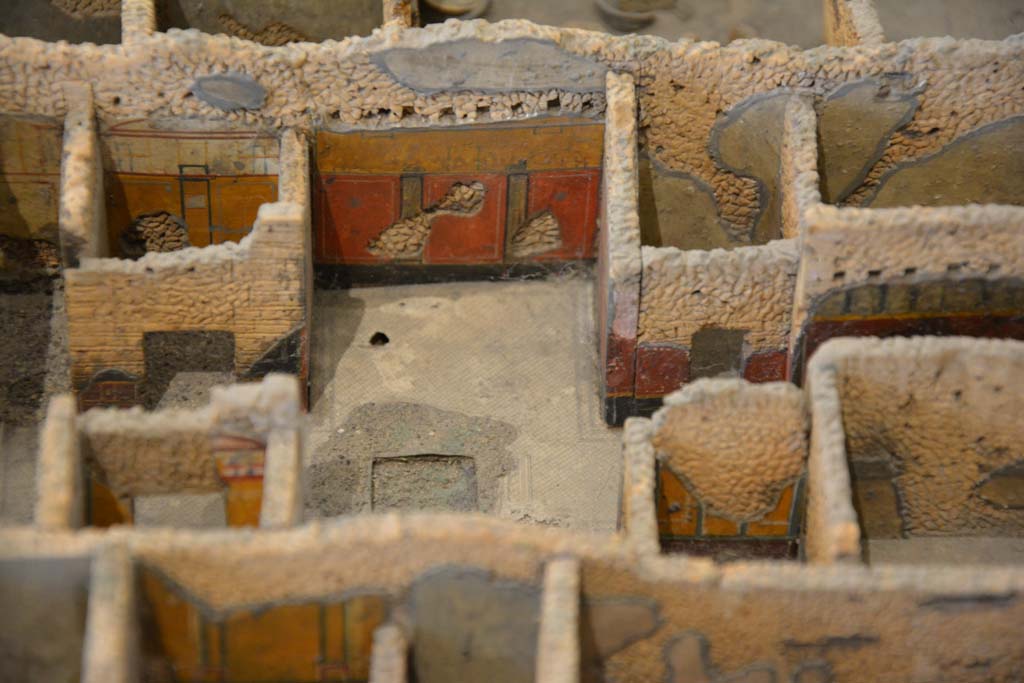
x=969 y=307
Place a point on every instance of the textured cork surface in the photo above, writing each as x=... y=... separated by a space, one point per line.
x=792 y=615
x=758 y=135
x=926 y=406
x=752 y=442
x=750 y=288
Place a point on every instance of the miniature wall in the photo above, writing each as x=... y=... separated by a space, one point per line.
x=619 y=261
x=931 y=436
x=727 y=311
x=886 y=110
x=759 y=164
x=481 y=198
x=687 y=90
x=699 y=103
x=240 y=306
x=649 y=618
x=903 y=272
x=213 y=181
x=881 y=135
x=323 y=640
x=389 y=79
x=731 y=307
x=741 y=479
x=226 y=446
x=892 y=272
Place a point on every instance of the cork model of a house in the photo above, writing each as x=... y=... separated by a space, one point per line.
x=508 y=352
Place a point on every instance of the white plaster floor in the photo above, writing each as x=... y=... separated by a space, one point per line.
x=518 y=353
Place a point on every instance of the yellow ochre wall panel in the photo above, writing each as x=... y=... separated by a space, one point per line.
x=280 y=644
x=30 y=152
x=232 y=202
x=283 y=643
x=558 y=144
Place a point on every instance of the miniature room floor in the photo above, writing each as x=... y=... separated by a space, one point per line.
x=502 y=372
x=33 y=367
x=950 y=550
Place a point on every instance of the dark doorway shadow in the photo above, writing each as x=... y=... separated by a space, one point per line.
x=168 y=353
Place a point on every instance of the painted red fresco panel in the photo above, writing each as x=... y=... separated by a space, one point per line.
x=354 y=209
x=660 y=369
x=477 y=238
x=572 y=197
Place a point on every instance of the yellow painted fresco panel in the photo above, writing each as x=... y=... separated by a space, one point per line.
x=719 y=526
x=559 y=144
x=30 y=152
x=29 y=206
x=129 y=196
x=244 y=498
x=235 y=203
x=363 y=614
x=677 y=509
x=177 y=626
x=334 y=633
x=279 y=644
x=106 y=509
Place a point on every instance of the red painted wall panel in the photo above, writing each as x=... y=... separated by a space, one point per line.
x=479 y=238
x=766 y=366
x=572 y=197
x=661 y=369
x=990 y=326
x=354 y=209
x=619 y=365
